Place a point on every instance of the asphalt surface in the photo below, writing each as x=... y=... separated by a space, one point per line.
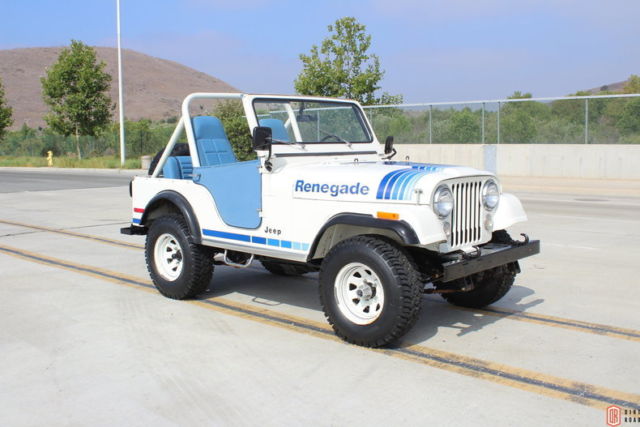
x=13 y=180
x=86 y=340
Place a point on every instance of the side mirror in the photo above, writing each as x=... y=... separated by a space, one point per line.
x=388 y=147
x=261 y=138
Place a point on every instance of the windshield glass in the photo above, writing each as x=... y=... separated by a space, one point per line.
x=312 y=121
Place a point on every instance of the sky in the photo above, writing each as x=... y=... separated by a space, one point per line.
x=431 y=51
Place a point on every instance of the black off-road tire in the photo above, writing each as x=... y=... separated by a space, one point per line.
x=180 y=149
x=284 y=269
x=398 y=277
x=197 y=262
x=489 y=287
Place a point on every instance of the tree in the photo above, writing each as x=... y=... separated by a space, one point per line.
x=632 y=85
x=629 y=121
x=464 y=127
x=231 y=114
x=5 y=113
x=342 y=66
x=76 y=91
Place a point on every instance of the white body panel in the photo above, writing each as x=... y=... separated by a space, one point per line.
x=309 y=185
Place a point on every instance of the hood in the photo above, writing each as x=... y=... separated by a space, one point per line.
x=370 y=181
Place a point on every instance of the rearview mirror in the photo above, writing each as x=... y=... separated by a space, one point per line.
x=261 y=138
x=306 y=118
x=388 y=147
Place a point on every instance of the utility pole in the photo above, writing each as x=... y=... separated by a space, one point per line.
x=120 y=89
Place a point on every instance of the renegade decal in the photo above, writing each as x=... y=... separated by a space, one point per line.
x=399 y=184
x=333 y=189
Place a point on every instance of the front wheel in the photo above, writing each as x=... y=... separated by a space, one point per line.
x=369 y=291
x=489 y=287
x=179 y=268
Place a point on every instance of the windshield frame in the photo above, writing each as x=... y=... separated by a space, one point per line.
x=288 y=100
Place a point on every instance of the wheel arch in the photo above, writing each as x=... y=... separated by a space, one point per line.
x=170 y=202
x=346 y=225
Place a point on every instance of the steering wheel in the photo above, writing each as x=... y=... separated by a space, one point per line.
x=326 y=138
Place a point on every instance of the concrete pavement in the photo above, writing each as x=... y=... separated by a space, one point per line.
x=85 y=340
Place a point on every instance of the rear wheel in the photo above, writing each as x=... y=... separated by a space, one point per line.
x=179 y=268
x=369 y=290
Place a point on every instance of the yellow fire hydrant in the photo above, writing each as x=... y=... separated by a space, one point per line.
x=49 y=158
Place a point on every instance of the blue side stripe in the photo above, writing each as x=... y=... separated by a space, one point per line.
x=260 y=240
x=401 y=185
x=273 y=242
x=411 y=184
x=136 y=221
x=225 y=235
x=396 y=186
x=385 y=180
x=407 y=185
x=392 y=181
x=383 y=183
x=286 y=244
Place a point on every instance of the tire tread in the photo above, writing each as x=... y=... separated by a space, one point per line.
x=198 y=275
x=407 y=276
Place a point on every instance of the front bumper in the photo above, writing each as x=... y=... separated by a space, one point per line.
x=491 y=255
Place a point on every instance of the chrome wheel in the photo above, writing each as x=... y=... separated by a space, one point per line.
x=168 y=257
x=359 y=293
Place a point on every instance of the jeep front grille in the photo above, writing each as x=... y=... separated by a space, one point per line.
x=466 y=218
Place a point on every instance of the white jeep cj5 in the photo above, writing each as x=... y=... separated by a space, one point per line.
x=324 y=195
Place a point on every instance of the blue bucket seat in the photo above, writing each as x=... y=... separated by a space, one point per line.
x=278 y=131
x=211 y=141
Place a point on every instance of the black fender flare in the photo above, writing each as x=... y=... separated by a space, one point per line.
x=183 y=205
x=401 y=228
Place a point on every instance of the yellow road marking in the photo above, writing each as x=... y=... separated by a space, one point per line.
x=557 y=322
x=504 y=313
x=106 y=240
x=547 y=385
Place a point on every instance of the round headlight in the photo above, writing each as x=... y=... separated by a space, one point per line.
x=490 y=195
x=442 y=201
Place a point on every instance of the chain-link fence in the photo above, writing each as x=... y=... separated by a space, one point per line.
x=142 y=138
x=609 y=119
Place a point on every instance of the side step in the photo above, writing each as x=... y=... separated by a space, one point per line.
x=134 y=231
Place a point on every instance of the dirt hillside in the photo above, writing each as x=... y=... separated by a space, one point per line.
x=154 y=88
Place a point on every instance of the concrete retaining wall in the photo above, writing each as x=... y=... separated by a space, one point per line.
x=545 y=160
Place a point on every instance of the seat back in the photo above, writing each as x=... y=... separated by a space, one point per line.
x=278 y=131
x=178 y=167
x=211 y=141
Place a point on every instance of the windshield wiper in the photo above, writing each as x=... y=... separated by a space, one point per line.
x=331 y=135
x=295 y=144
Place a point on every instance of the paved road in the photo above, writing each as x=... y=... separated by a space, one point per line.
x=13 y=180
x=89 y=341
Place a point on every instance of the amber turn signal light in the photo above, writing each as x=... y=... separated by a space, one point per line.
x=388 y=215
